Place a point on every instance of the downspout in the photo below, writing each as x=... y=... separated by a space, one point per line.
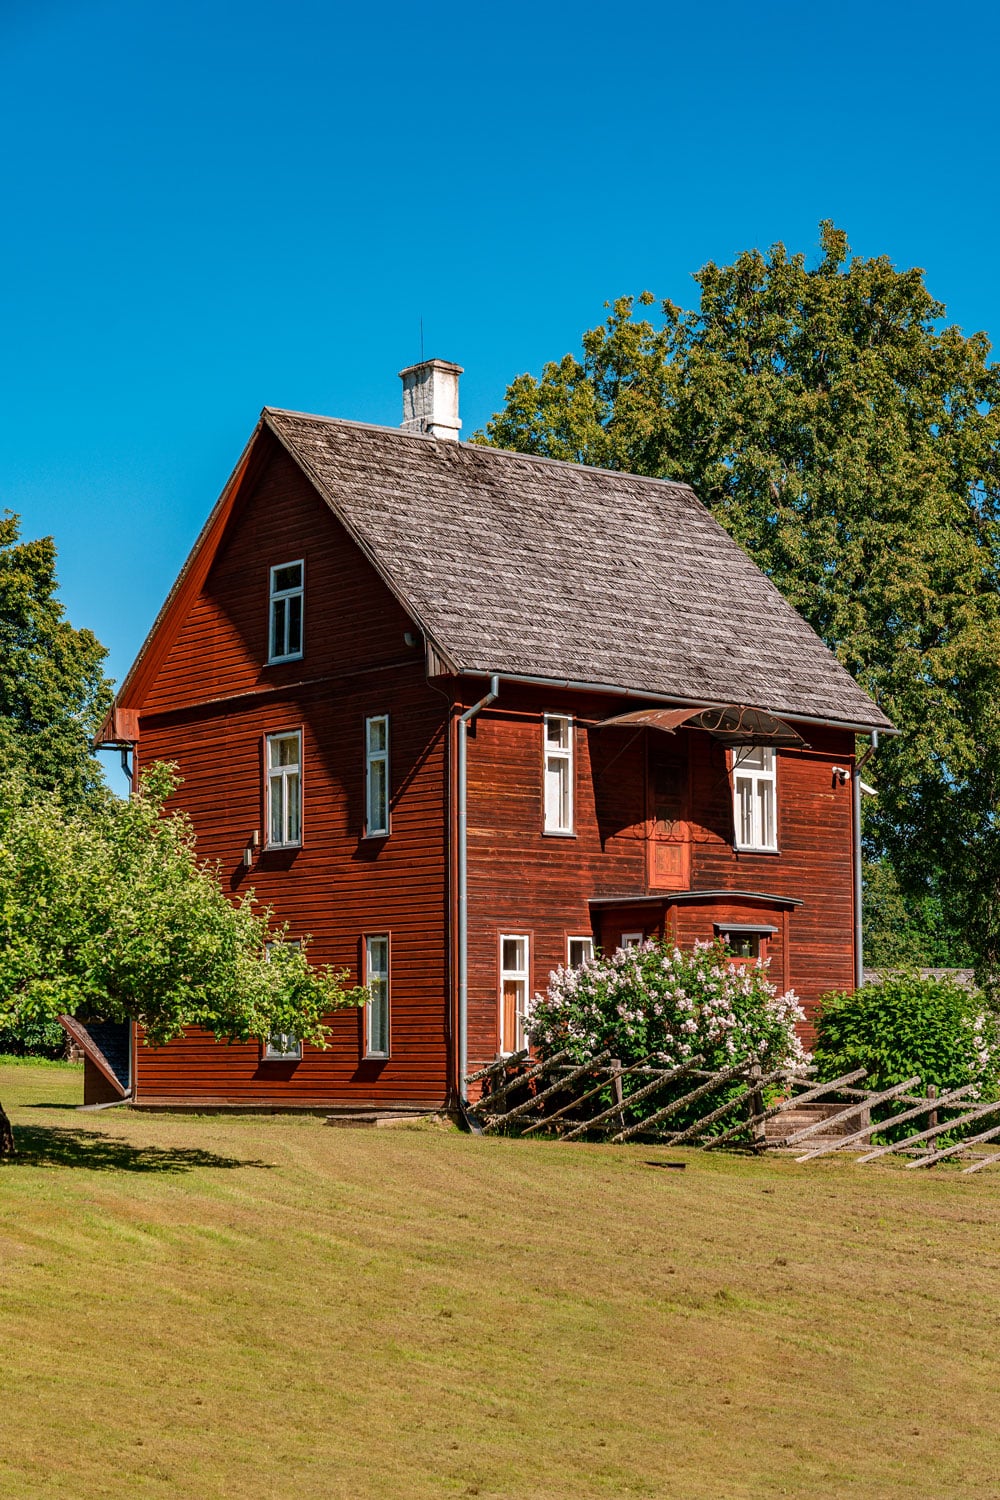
x=859 y=949
x=464 y=721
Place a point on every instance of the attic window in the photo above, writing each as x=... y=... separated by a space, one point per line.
x=286 y=611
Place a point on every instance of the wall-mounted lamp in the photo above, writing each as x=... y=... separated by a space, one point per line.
x=841 y=776
x=248 y=852
x=409 y=638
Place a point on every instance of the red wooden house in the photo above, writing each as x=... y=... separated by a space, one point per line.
x=462 y=714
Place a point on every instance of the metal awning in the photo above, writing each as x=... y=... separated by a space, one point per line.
x=733 y=724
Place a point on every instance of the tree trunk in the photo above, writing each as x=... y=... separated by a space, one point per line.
x=7 y=1147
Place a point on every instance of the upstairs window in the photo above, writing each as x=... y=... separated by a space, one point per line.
x=558 y=732
x=286 y=611
x=755 y=797
x=377 y=776
x=284 y=790
x=377 y=1009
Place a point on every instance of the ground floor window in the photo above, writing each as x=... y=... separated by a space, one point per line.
x=746 y=943
x=632 y=939
x=579 y=950
x=281 y=1046
x=514 y=956
x=377 y=1008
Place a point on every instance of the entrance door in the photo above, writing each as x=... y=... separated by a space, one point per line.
x=513 y=991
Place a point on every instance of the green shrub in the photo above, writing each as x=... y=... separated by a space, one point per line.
x=907 y=1026
x=32 y=1037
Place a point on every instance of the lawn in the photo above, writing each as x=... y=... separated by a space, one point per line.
x=199 y=1306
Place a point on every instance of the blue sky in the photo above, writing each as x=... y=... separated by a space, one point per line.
x=209 y=207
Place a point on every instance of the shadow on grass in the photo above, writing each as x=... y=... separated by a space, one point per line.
x=38 y=1146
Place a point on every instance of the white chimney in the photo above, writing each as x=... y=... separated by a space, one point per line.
x=430 y=398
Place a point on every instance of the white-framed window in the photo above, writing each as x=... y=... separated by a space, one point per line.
x=632 y=939
x=558 y=735
x=755 y=797
x=514 y=979
x=377 y=775
x=284 y=790
x=285 y=614
x=377 y=1007
x=281 y=1046
x=579 y=951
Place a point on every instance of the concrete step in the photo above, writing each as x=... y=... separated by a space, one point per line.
x=374 y=1119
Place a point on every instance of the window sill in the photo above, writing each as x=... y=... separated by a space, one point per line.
x=558 y=833
x=755 y=849
x=280 y=661
x=288 y=1057
x=376 y=1057
x=374 y=837
x=280 y=848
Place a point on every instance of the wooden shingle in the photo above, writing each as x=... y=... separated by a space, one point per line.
x=524 y=565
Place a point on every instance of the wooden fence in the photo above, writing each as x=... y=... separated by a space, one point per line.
x=739 y=1107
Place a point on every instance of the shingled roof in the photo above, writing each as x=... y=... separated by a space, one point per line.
x=528 y=566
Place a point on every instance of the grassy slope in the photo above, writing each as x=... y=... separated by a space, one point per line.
x=267 y=1307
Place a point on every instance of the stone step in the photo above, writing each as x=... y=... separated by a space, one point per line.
x=780 y=1127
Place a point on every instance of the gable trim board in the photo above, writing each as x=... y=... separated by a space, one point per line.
x=493 y=555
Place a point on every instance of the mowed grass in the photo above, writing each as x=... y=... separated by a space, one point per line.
x=265 y=1307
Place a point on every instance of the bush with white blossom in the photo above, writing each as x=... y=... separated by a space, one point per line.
x=656 y=998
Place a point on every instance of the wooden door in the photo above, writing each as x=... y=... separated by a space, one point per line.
x=669 y=843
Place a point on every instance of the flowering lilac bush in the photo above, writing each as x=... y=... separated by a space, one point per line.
x=657 y=999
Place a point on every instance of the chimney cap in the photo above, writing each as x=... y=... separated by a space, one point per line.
x=432 y=364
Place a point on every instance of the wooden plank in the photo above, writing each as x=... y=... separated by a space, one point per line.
x=927 y=1106
x=670 y=1109
x=538 y=1071
x=499 y=1065
x=756 y=1084
x=845 y=1114
x=582 y=1098
x=979 y=1165
x=973 y=1140
x=929 y=1135
x=528 y=1104
x=643 y=1093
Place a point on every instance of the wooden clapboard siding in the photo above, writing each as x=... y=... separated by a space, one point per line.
x=208 y=710
x=523 y=881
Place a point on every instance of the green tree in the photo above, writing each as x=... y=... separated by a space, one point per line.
x=53 y=691
x=106 y=911
x=851 y=443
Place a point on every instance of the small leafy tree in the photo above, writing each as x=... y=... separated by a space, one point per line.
x=656 y=999
x=106 y=911
x=53 y=691
x=906 y=1026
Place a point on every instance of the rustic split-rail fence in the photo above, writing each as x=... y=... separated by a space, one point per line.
x=741 y=1107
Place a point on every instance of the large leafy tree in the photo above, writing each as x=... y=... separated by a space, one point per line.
x=106 y=911
x=850 y=441
x=53 y=691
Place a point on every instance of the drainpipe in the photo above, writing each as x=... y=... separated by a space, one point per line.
x=859 y=950
x=463 y=880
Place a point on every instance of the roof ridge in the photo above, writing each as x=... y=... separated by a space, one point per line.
x=469 y=446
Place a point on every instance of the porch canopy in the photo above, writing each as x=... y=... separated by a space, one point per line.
x=733 y=724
